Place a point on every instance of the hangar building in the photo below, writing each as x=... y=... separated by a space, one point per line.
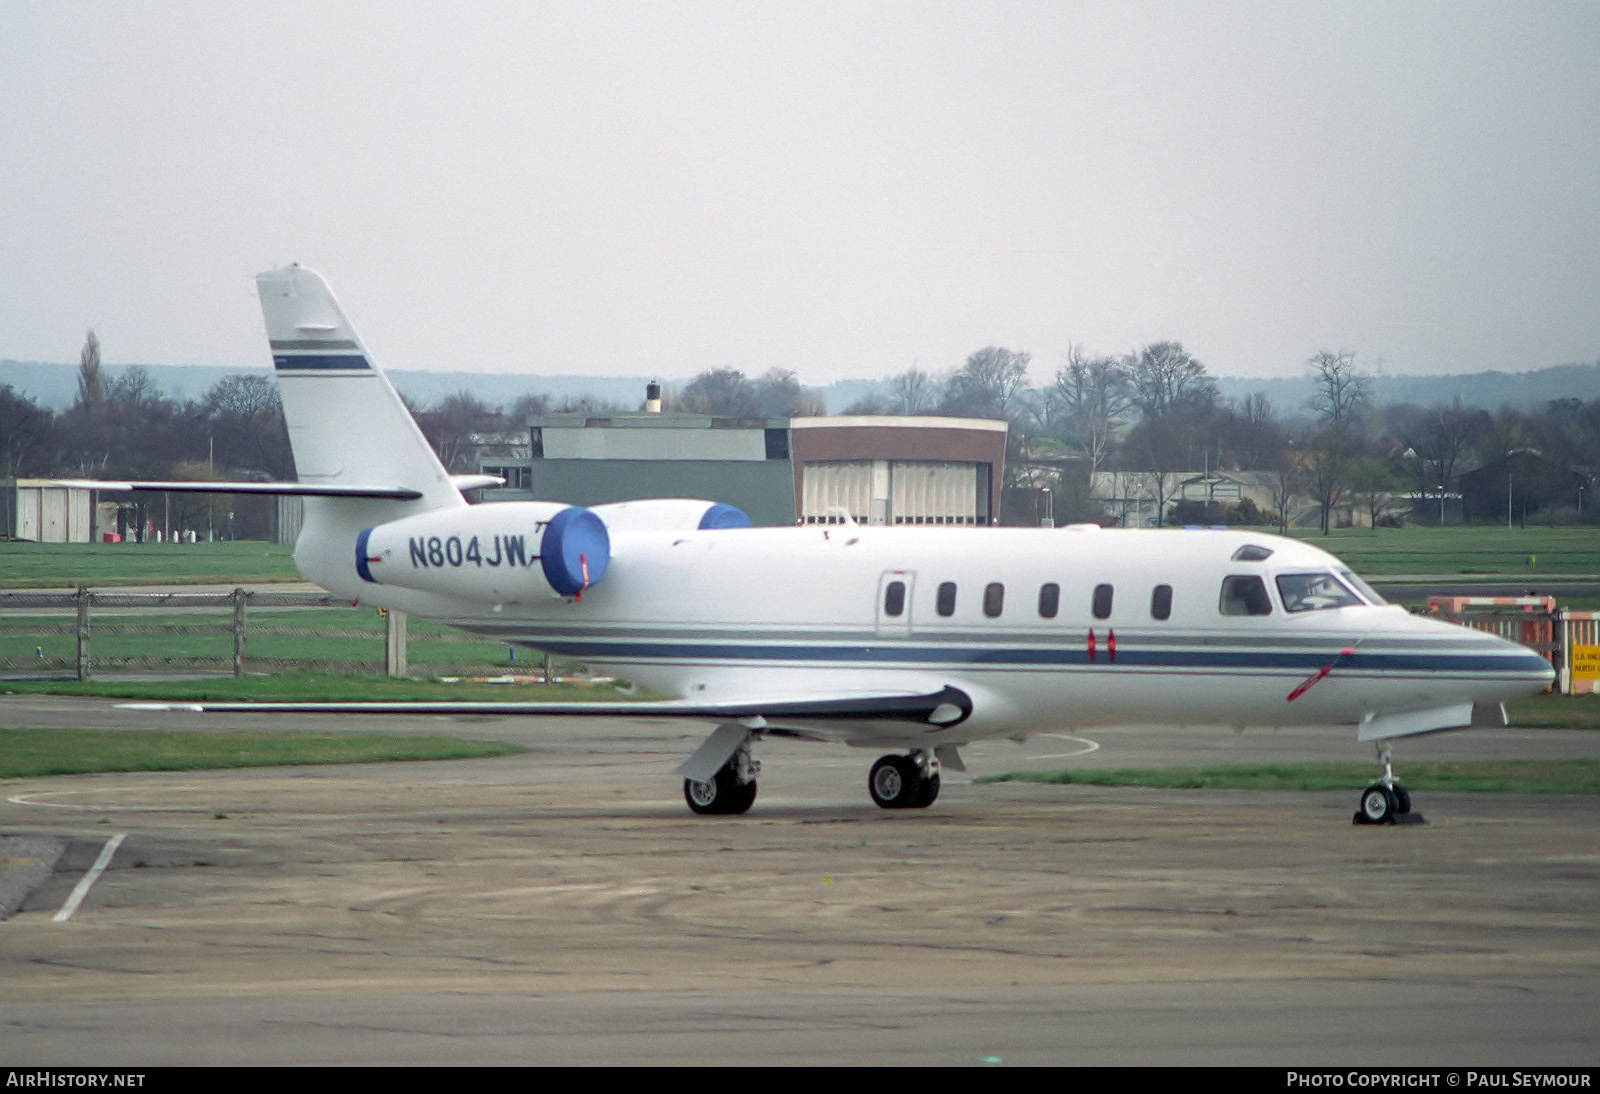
x=879 y=470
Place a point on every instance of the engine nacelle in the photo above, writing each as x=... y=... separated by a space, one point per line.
x=669 y=515
x=501 y=551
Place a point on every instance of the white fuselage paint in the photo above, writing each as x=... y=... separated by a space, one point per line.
x=799 y=613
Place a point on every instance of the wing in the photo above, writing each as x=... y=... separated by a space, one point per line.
x=945 y=708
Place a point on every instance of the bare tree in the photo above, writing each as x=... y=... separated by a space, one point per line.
x=24 y=429
x=1286 y=484
x=989 y=384
x=91 y=382
x=1341 y=393
x=722 y=391
x=1094 y=395
x=451 y=423
x=1252 y=435
x=1373 y=483
x=1165 y=379
x=1436 y=442
x=913 y=391
x=778 y=394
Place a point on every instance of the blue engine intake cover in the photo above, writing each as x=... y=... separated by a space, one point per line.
x=575 y=550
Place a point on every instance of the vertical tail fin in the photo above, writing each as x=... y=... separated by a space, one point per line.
x=347 y=425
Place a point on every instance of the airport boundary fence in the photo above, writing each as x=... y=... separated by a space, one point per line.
x=1568 y=638
x=88 y=631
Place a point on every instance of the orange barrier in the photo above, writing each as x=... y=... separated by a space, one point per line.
x=1568 y=639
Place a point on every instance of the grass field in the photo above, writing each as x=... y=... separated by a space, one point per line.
x=1464 y=550
x=334 y=635
x=67 y=565
x=34 y=752
x=314 y=687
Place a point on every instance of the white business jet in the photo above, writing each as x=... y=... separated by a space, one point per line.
x=912 y=640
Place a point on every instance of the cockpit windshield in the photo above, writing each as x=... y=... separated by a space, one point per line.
x=1362 y=587
x=1314 y=592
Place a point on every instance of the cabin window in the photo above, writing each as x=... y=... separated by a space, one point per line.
x=1102 y=601
x=994 y=599
x=946 y=601
x=1245 y=596
x=1049 y=600
x=894 y=598
x=1313 y=592
x=1161 y=602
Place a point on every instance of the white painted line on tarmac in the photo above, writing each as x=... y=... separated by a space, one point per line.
x=1088 y=747
x=36 y=797
x=82 y=888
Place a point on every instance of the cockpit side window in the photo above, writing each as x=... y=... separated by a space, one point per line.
x=1314 y=592
x=1361 y=587
x=1245 y=595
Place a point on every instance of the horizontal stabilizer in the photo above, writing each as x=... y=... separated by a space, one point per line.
x=942 y=708
x=294 y=489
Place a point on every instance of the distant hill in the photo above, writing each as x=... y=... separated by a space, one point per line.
x=1487 y=390
x=56 y=385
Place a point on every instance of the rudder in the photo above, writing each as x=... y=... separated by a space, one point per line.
x=347 y=424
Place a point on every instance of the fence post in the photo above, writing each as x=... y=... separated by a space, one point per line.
x=239 y=596
x=84 y=664
x=394 y=643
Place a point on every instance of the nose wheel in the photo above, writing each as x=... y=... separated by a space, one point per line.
x=1386 y=801
x=905 y=782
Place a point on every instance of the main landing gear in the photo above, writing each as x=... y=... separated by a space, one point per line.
x=731 y=790
x=905 y=782
x=1386 y=801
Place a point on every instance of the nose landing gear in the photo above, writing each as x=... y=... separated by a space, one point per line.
x=1386 y=801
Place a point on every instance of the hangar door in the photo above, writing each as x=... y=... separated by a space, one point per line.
x=926 y=492
x=895 y=492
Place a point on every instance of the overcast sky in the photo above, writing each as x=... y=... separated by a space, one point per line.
x=842 y=189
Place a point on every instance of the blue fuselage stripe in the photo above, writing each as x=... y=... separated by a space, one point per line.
x=1025 y=656
x=318 y=362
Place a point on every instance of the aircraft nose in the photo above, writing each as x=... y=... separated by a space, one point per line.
x=1525 y=670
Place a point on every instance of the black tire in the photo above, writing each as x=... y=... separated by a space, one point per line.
x=897 y=782
x=1402 y=800
x=930 y=791
x=1378 y=805
x=722 y=796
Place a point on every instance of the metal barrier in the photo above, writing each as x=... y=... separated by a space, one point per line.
x=86 y=619
x=1580 y=637
x=1568 y=639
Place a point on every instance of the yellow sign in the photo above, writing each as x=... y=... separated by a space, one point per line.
x=1586 y=662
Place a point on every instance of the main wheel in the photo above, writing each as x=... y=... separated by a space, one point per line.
x=1378 y=805
x=724 y=794
x=897 y=782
